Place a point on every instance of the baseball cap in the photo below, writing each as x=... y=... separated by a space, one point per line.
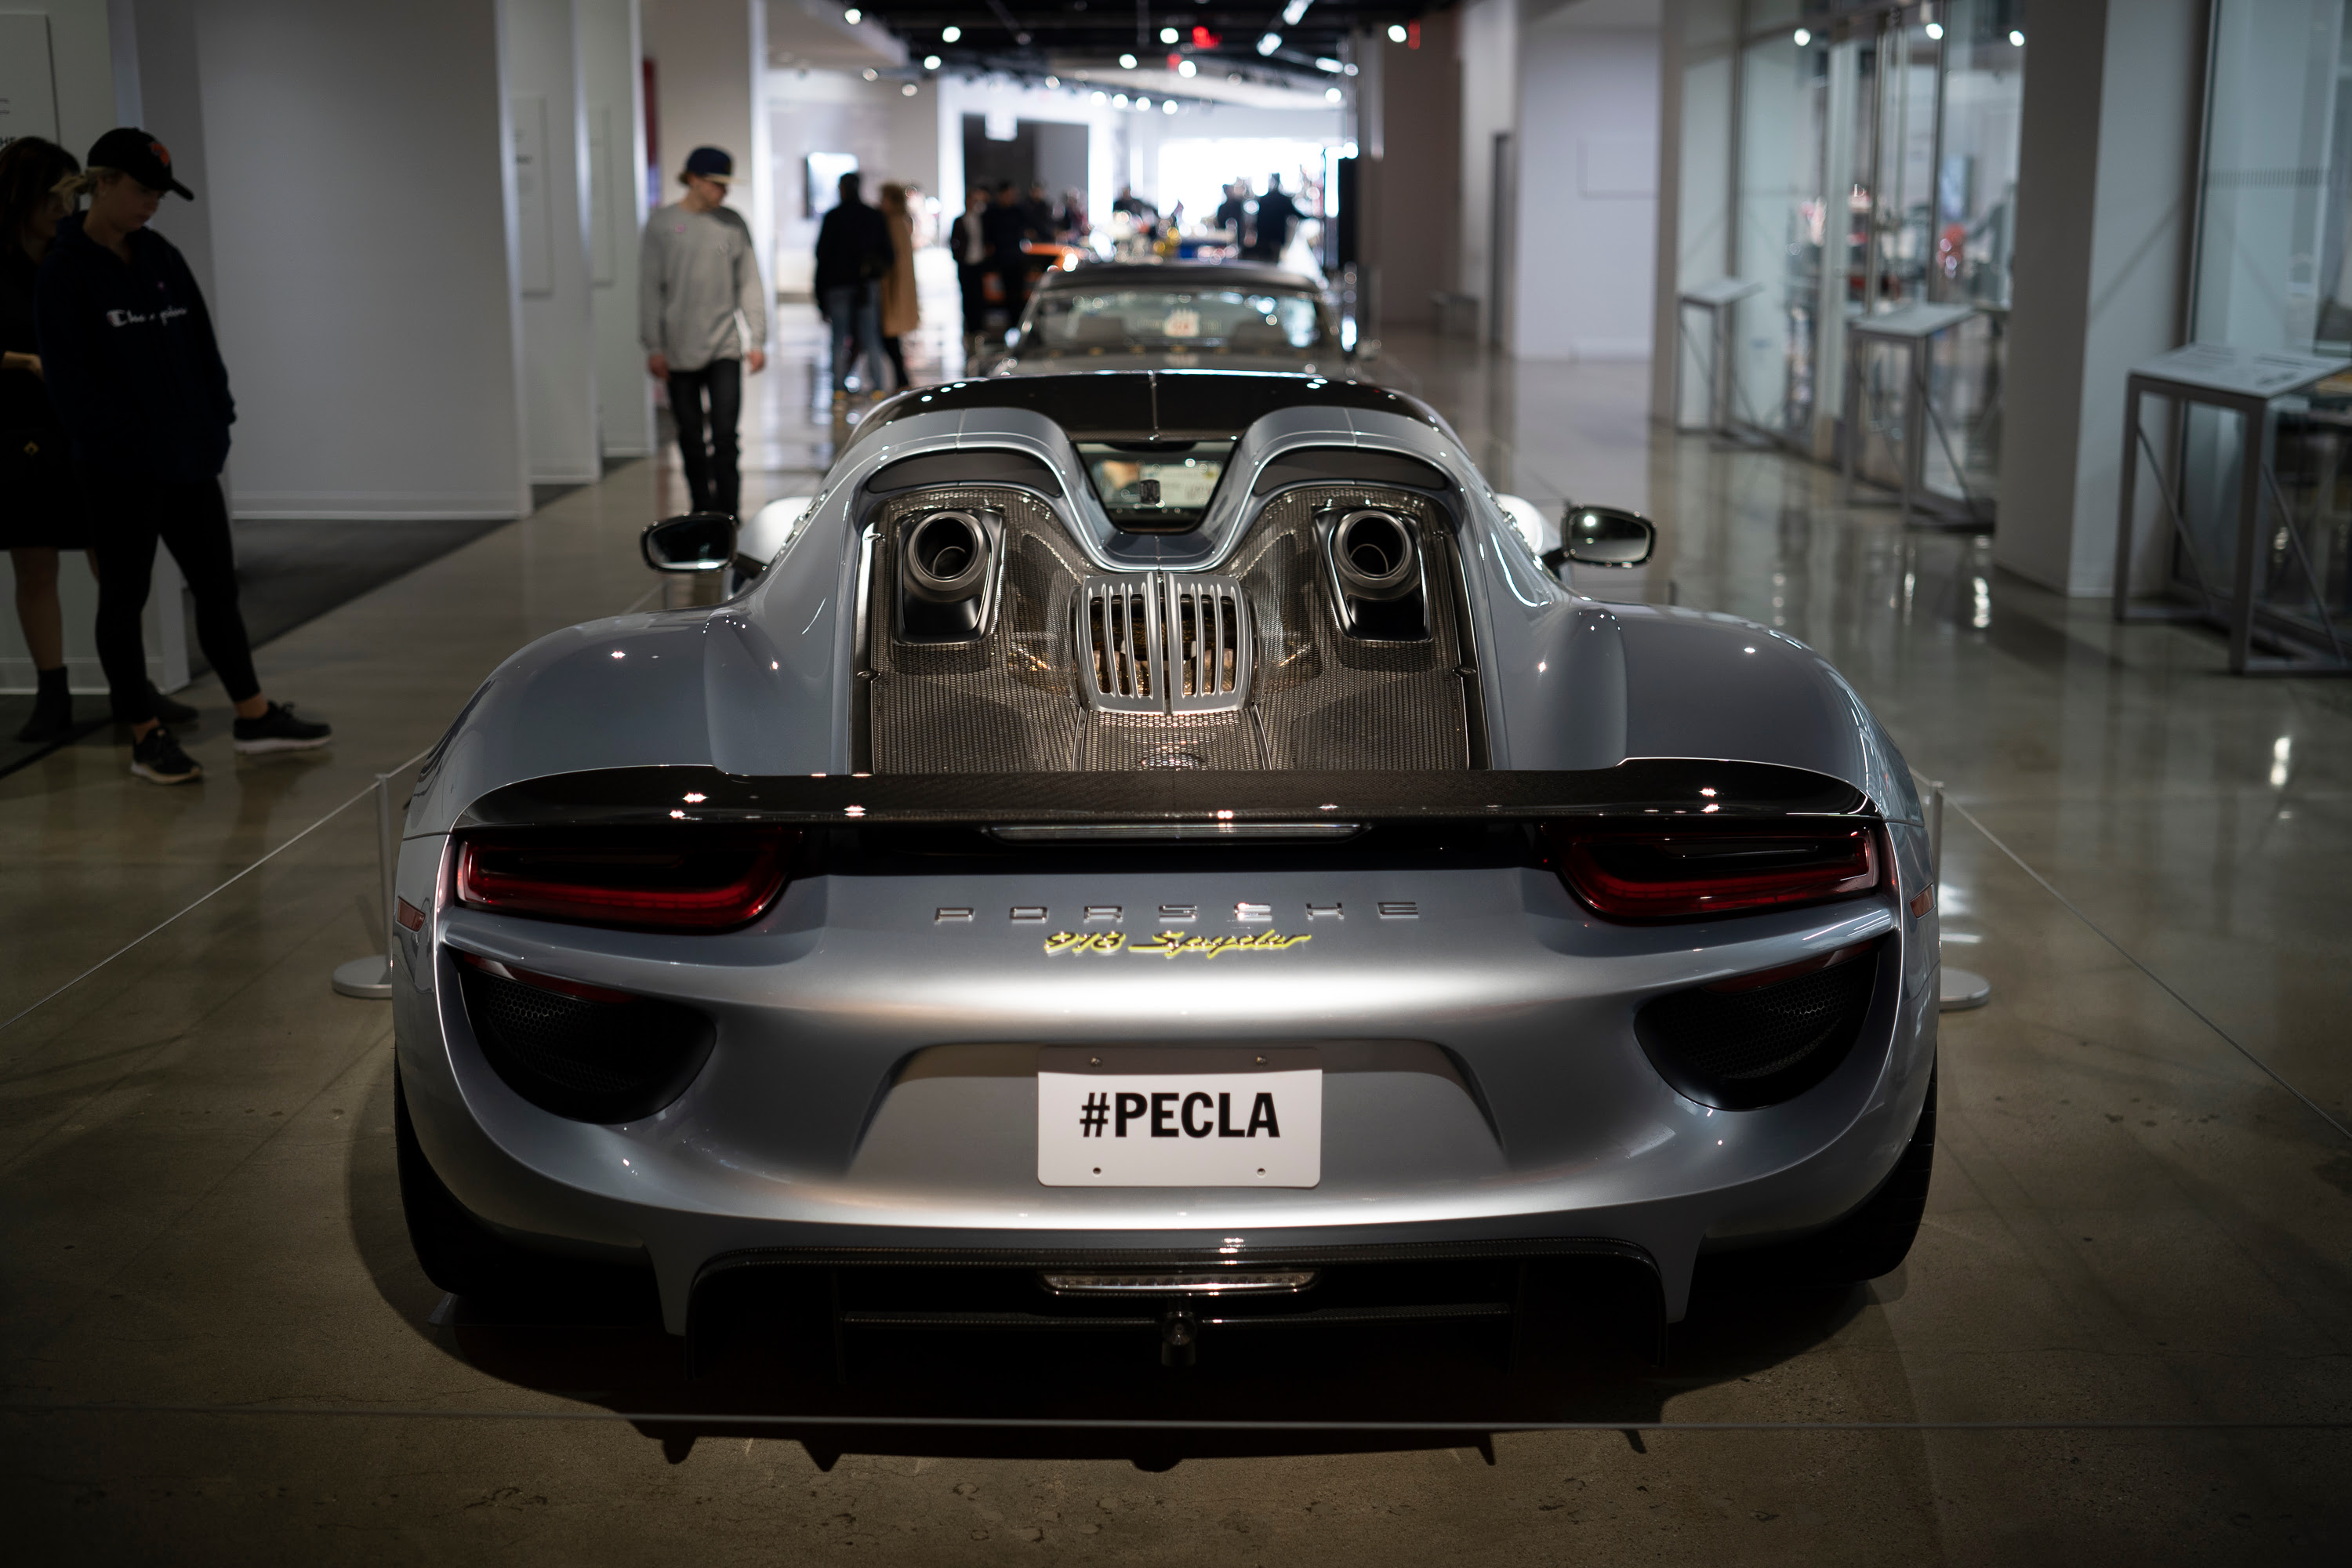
x=138 y=155
x=711 y=164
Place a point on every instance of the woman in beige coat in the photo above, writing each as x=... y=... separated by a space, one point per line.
x=900 y=313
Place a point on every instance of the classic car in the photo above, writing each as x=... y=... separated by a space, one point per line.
x=1159 y=852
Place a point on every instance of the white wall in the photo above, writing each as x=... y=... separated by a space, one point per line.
x=545 y=101
x=1587 y=219
x=359 y=236
x=612 y=89
x=894 y=137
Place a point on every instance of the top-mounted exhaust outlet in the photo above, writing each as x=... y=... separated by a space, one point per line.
x=1374 y=559
x=948 y=572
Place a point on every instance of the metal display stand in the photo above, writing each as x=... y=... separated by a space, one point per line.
x=1717 y=299
x=370 y=977
x=2248 y=384
x=1914 y=329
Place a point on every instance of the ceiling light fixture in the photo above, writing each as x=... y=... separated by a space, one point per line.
x=1186 y=67
x=1332 y=95
x=2017 y=37
x=930 y=62
x=1168 y=105
x=1396 y=31
x=1270 y=43
x=1804 y=36
x=1126 y=62
x=950 y=35
x=1169 y=35
x=1935 y=31
x=1325 y=63
x=853 y=16
x=1293 y=11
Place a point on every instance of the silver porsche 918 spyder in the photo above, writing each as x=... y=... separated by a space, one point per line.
x=1161 y=852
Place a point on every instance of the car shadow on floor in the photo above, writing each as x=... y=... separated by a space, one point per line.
x=596 y=1337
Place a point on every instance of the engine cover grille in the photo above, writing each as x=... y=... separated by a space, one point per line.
x=1092 y=672
x=1162 y=643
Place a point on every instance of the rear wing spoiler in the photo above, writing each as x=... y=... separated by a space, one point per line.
x=1642 y=787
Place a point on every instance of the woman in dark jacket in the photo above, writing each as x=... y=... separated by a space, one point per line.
x=127 y=348
x=38 y=514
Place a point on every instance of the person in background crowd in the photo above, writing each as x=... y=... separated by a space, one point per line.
x=854 y=254
x=1234 y=212
x=968 y=241
x=1276 y=215
x=1007 y=228
x=127 y=352
x=39 y=513
x=1044 y=221
x=1074 y=226
x=901 y=312
x=702 y=316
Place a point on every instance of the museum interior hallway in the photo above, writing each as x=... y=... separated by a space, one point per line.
x=2125 y=1333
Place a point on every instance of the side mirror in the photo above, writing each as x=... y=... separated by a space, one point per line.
x=698 y=541
x=1603 y=536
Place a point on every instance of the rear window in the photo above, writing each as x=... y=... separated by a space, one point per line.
x=1155 y=487
x=1079 y=321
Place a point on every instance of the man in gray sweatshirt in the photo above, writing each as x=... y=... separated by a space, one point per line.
x=702 y=311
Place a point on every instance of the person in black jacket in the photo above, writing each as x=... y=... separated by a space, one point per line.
x=127 y=352
x=1276 y=215
x=969 y=241
x=1006 y=226
x=38 y=514
x=853 y=252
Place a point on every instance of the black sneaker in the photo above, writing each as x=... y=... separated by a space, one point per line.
x=279 y=730
x=166 y=710
x=157 y=756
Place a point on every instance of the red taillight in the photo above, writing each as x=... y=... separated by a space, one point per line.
x=679 y=880
x=1677 y=873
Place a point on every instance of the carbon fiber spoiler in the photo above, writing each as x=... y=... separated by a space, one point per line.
x=1643 y=787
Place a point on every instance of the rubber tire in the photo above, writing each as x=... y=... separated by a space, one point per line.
x=458 y=1251
x=1871 y=1241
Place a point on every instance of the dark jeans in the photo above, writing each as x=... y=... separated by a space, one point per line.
x=855 y=310
x=127 y=516
x=709 y=451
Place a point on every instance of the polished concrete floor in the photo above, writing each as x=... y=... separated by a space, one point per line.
x=2125 y=1335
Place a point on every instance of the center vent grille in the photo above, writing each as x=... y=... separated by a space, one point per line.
x=1161 y=642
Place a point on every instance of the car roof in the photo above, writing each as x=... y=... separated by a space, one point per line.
x=1140 y=403
x=1176 y=275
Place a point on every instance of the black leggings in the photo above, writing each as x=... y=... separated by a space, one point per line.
x=897 y=353
x=127 y=516
x=709 y=454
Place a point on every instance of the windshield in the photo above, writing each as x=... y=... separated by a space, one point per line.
x=1155 y=487
x=1077 y=321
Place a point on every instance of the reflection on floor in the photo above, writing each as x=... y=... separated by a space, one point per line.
x=2126 y=1333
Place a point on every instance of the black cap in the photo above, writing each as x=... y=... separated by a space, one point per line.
x=712 y=164
x=138 y=155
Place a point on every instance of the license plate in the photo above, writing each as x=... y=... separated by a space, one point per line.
x=1173 y=1118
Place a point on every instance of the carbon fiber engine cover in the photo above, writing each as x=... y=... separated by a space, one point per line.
x=1008 y=700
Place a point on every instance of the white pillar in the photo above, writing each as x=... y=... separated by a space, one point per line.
x=2113 y=95
x=546 y=105
x=613 y=90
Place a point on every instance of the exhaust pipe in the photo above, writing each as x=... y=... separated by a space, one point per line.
x=946 y=558
x=1373 y=555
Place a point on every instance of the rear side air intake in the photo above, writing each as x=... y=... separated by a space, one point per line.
x=1162 y=643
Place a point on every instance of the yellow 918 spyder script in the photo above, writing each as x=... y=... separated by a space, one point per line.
x=1169 y=944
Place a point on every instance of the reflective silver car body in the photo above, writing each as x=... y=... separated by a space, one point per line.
x=872 y=1081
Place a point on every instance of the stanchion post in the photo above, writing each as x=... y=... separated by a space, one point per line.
x=371 y=978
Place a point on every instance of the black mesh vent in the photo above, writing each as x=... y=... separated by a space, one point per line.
x=1740 y=1049
x=592 y=1061
x=1009 y=702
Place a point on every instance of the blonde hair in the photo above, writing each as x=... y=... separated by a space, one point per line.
x=73 y=187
